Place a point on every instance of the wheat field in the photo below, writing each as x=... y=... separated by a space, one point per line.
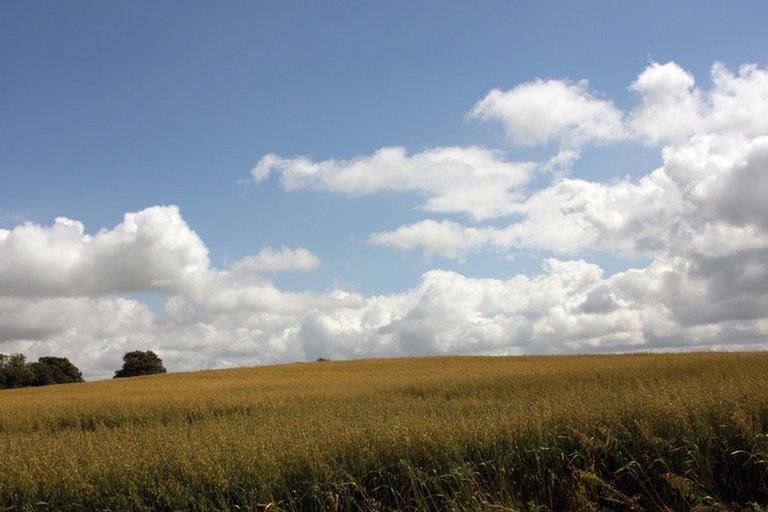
x=630 y=432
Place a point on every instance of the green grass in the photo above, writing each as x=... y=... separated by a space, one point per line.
x=652 y=432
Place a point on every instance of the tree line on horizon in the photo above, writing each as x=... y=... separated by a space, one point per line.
x=16 y=372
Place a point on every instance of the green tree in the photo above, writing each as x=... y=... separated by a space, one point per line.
x=140 y=363
x=15 y=372
x=55 y=370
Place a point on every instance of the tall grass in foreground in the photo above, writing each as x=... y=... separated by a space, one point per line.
x=637 y=432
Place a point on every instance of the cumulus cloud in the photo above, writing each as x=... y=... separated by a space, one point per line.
x=706 y=200
x=701 y=219
x=150 y=250
x=570 y=306
x=672 y=108
x=543 y=111
x=708 y=197
x=482 y=184
x=471 y=180
x=92 y=331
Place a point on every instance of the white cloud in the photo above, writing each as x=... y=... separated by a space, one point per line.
x=707 y=199
x=284 y=259
x=93 y=331
x=471 y=180
x=445 y=238
x=701 y=218
x=538 y=112
x=673 y=109
x=151 y=250
x=482 y=184
x=570 y=307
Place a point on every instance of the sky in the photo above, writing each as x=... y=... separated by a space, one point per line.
x=260 y=182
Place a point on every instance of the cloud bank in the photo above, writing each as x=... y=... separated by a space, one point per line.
x=701 y=219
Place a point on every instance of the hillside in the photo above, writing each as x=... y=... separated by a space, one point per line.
x=459 y=433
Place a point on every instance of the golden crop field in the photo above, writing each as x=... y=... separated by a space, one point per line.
x=634 y=432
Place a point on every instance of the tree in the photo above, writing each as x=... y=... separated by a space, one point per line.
x=55 y=370
x=15 y=372
x=140 y=363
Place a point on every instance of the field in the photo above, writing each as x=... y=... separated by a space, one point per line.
x=635 y=432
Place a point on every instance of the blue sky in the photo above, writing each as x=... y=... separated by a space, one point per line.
x=108 y=108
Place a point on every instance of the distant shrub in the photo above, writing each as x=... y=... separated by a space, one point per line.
x=15 y=372
x=140 y=363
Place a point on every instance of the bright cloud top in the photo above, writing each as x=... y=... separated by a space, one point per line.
x=538 y=112
x=701 y=219
x=151 y=250
x=672 y=108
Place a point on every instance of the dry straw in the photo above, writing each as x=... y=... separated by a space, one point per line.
x=643 y=432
